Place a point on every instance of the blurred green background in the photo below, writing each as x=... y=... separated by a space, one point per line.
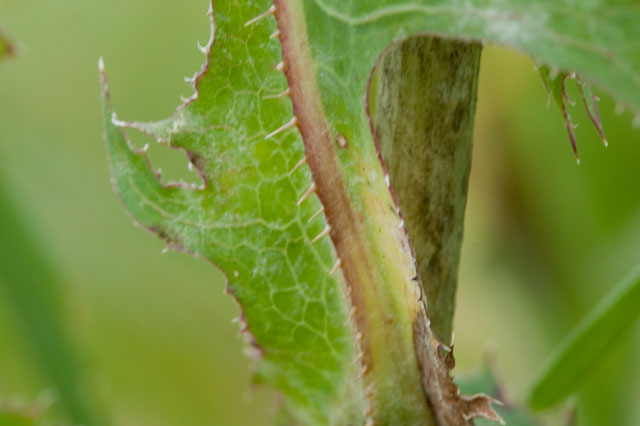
x=152 y=334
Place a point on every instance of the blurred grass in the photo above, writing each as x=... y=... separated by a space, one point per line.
x=15 y=419
x=588 y=343
x=31 y=291
x=157 y=329
x=6 y=48
x=544 y=239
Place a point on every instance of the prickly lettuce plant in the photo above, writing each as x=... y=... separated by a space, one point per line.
x=323 y=152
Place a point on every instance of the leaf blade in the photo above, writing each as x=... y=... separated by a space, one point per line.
x=587 y=343
x=594 y=39
x=249 y=218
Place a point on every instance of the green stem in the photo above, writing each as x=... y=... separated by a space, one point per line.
x=406 y=376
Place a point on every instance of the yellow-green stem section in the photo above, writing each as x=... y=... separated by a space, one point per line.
x=372 y=246
x=366 y=225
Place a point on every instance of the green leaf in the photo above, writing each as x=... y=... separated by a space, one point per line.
x=556 y=86
x=588 y=343
x=32 y=291
x=252 y=217
x=296 y=207
x=596 y=39
x=418 y=78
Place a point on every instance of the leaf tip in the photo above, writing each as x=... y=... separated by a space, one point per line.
x=103 y=75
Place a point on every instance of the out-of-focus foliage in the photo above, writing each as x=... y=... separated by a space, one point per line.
x=12 y=418
x=485 y=381
x=593 y=338
x=112 y=305
x=30 y=289
x=544 y=239
x=561 y=235
x=6 y=48
x=20 y=414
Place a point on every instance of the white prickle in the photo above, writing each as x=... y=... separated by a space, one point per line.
x=279 y=95
x=282 y=128
x=297 y=166
x=358 y=338
x=263 y=15
x=364 y=371
x=366 y=413
x=316 y=214
x=352 y=313
x=335 y=266
x=306 y=195
x=322 y=234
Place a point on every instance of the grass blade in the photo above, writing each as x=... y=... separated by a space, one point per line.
x=587 y=343
x=28 y=282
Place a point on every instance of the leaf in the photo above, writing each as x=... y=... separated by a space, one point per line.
x=596 y=39
x=588 y=343
x=556 y=86
x=254 y=217
x=591 y=105
x=429 y=159
x=275 y=150
x=32 y=292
